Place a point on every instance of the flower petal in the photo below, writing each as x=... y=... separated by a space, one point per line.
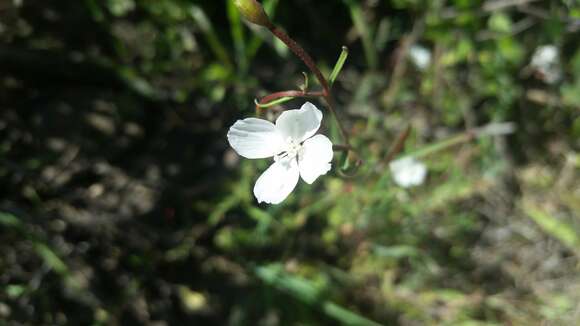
x=314 y=159
x=299 y=124
x=255 y=138
x=277 y=182
x=408 y=172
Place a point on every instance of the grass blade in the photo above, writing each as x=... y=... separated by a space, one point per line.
x=307 y=293
x=212 y=39
x=552 y=226
x=338 y=66
x=361 y=26
x=237 y=33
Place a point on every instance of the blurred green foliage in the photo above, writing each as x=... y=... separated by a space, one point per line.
x=491 y=237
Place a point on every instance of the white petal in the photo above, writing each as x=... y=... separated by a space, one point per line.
x=255 y=138
x=314 y=159
x=277 y=182
x=299 y=124
x=408 y=172
x=420 y=56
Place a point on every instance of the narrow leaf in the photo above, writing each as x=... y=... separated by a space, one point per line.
x=338 y=66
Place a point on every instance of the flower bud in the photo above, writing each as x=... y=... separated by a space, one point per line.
x=253 y=11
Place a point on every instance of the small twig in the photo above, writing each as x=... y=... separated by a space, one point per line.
x=397 y=147
x=517 y=28
x=495 y=129
x=487 y=8
x=543 y=97
x=492 y=129
x=495 y=5
x=535 y=12
x=573 y=23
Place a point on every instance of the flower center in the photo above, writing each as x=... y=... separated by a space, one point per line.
x=292 y=149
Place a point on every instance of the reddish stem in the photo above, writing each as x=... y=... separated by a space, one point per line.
x=397 y=147
x=309 y=62
x=302 y=54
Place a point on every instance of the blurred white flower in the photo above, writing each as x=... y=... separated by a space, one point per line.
x=420 y=56
x=291 y=141
x=546 y=61
x=408 y=172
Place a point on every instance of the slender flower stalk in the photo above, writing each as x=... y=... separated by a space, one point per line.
x=302 y=54
x=268 y=99
x=254 y=12
x=309 y=62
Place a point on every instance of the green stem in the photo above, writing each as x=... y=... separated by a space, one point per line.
x=282 y=97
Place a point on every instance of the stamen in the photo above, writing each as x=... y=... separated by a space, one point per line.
x=293 y=148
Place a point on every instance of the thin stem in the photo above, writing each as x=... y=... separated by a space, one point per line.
x=309 y=62
x=397 y=147
x=283 y=97
x=302 y=54
x=274 y=96
x=330 y=104
x=492 y=129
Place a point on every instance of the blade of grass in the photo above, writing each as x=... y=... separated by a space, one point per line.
x=361 y=26
x=51 y=258
x=338 y=66
x=10 y=220
x=42 y=249
x=552 y=226
x=237 y=33
x=307 y=293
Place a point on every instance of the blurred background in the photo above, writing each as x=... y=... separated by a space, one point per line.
x=121 y=202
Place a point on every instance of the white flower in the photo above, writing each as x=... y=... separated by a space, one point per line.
x=408 y=172
x=420 y=56
x=291 y=141
x=546 y=60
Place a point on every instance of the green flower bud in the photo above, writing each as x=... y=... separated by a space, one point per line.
x=253 y=11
